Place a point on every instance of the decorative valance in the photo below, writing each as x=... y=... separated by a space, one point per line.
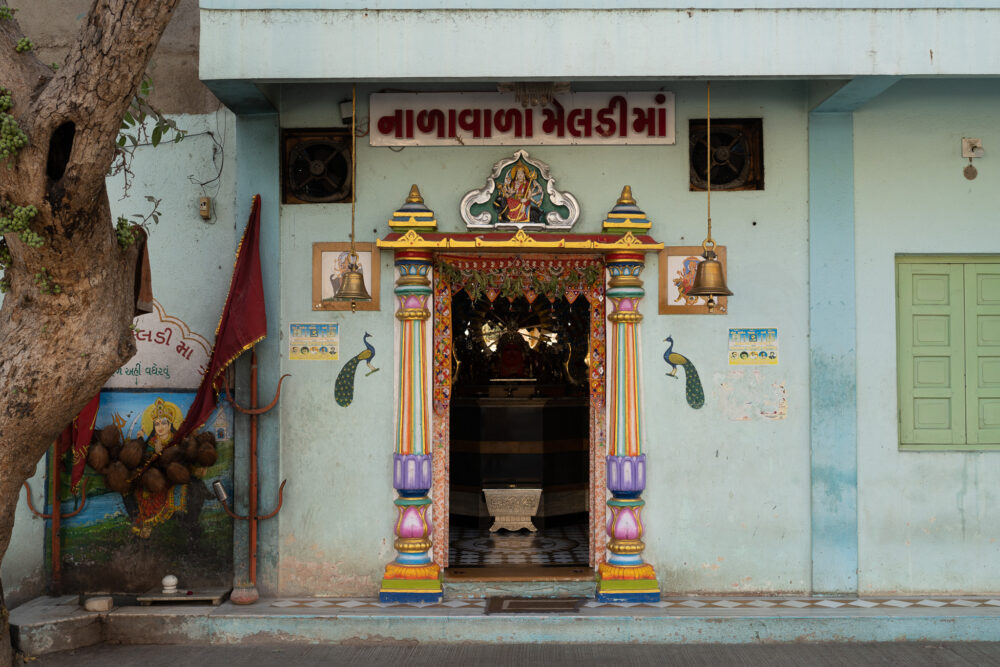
x=530 y=276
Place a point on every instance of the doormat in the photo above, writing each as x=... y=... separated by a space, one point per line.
x=512 y=605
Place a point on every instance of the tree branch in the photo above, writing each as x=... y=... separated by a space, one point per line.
x=118 y=36
x=22 y=73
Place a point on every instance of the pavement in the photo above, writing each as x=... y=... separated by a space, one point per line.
x=911 y=654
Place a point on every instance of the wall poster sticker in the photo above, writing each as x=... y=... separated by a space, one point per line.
x=313 y=341
x=753 y=347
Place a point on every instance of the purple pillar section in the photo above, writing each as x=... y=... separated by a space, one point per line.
x=411 y=472
x=627 y=474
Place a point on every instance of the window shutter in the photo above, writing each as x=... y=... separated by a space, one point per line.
x=982 y=336
x=931 y=364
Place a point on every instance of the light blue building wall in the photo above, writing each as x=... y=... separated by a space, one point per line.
x=927 y=520
x=863 y=109
x=753 y=537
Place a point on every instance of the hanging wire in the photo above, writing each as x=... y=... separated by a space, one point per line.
x=354 y=162
x=708 y=158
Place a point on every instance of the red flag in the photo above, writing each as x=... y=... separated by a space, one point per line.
x=243 y=323
x=77 y=437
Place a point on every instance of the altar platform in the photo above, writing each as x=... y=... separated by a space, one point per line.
x=46 y=625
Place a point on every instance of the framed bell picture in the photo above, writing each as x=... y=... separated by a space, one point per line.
x=677 y=269
x=330 y=269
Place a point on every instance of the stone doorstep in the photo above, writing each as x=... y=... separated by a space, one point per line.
x=47 y=625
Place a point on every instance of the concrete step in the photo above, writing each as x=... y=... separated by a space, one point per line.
x=464 y=589
x=526 y=582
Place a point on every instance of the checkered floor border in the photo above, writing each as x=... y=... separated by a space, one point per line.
x=680 y=602
x=560 y=545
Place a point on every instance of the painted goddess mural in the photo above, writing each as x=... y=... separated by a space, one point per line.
x=685 y=280
x=520 y=197
x=160 y=420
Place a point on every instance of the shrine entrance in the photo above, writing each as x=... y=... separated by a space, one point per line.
x=519 y=433
x=521 y=341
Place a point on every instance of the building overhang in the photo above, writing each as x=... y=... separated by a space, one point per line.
x=301 y=41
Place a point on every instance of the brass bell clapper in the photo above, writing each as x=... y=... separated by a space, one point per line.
x=352 y=283
x=709 y=278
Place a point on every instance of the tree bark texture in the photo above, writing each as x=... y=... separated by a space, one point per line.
x=57 y=350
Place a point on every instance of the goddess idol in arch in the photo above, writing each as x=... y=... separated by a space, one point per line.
x=520 y=195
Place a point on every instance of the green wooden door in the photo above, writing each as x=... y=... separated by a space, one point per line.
x=931 y=364
x=982 y=343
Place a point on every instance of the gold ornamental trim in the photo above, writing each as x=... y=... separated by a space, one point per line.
x=521 y=240
x=416 y=279
x=628 y=317
x=626 y=547
x=625 y=281
x=413 y=314
x=412 y=545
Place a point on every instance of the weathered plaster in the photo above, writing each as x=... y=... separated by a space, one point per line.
x=730 y=494
x=927 y=520
x=23 y=569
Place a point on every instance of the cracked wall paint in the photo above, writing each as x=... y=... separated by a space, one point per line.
x=748 y=395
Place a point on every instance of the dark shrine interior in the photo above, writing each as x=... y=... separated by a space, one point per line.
x=520 y=419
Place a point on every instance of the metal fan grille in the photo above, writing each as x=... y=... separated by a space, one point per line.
x=737 y=155
x=316 y=167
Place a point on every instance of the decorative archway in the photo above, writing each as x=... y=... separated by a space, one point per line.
x=531 y=264
x=532 y=276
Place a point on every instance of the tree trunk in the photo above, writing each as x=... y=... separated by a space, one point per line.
x=57 y=350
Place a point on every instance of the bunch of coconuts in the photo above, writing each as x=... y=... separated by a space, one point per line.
x=124 y=463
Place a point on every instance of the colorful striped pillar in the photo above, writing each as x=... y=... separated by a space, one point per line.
x=624 y=577
x=413 y=576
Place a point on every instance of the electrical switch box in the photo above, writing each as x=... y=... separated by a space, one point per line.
x=972 y=147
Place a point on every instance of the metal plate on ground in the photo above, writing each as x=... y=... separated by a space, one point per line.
x=212 y=596
x=512 y=605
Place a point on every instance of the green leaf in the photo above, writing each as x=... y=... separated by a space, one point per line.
x=157 y=133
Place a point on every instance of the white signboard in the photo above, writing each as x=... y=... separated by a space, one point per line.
x=497 y=119
x=168 y=355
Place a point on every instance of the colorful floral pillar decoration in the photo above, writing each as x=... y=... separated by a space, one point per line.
x=412 y=576
x=624 y=577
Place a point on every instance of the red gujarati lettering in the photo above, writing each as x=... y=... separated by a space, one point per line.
x=431 y=120
x=163 y=337
x=183 y=350
x=580 y=122
x=606 y=124
x=516 y=120
x=555 y=119
x=392 y=124
x=470 y=120
x=645 y=119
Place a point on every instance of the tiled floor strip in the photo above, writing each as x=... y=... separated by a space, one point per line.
x=683 y=602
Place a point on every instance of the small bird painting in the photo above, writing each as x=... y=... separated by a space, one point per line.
x=693 y=390
x=343 y=391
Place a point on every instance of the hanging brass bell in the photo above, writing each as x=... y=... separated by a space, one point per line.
x=352 y=284
x=709 y=279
